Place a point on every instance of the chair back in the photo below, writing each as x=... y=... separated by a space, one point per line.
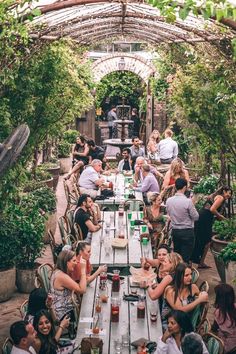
x=78 y=232
x=205 y=327
x=204 y=286
x=213 y=343
x=24 y=308
x=134 y=205
x=43 y=275
x=199 y=315
x=7 y=346
x=71 y=197
x=167 y=193
x=70 y=218
x=64 y=228
x=195 y=275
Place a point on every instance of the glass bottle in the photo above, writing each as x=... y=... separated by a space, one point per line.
x=116 y=281
x=141 y=307
x=103 y=280
x=98 y=307
x=115 y=310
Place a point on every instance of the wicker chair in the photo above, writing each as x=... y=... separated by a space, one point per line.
x=7 y=346
x=204 y=286
x=43 y=275
x=64 y=227
x=213 y=343
x=71 y=197
x=195 y=275
x=24 y=308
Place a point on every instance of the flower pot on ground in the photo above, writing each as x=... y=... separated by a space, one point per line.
x=64 y=152
x=66 y=164
x=8 y=253
x=25 y=279
x=225 y=233
x=54 y=170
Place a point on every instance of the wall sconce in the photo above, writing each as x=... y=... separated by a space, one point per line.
x=121 y=64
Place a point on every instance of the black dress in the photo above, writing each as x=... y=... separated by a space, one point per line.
x=203 y=231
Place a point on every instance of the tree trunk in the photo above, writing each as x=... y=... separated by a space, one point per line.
x=223 y=167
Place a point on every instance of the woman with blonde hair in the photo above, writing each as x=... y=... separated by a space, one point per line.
x=152 y=145
x=166 y=276
x=175 y=171
x=62 y=284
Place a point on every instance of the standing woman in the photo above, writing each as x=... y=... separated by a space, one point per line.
x=136 y=125
x=62 y=284
x=225 y=316
x=154 y=218
x=203 y=227
x=152 y=145
x=80 y=151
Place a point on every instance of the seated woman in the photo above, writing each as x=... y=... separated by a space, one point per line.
x=225 y=316
x=179 y=324
x=38 y=300
x=47 y=339
x=162 y=251
x=83 y=252
x=154 y=218
x=62 y=284
x=152 y=145
x=182 y=294
x=80 y=151
x=175 y=171
x=166 y=276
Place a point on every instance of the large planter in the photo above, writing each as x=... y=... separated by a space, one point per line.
x=66 y=164
x=25 y=280
x=55 y=175
x=7 y=283
x=230 y=272
x=47 y=183
x=216 y=247
x=50 y=224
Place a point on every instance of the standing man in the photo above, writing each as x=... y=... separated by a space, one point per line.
x=136 y=150
x=182 y=215
x=111 y=116
x=23 y=335
x=168 y=148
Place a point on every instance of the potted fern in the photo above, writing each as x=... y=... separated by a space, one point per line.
x=228 y=256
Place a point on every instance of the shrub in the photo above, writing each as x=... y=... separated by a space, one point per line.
x=225 y=229
x=64 y=149
x=8 y=243
x=44 y=198
x=228 y=253
x=70 y=136
x=206 y=185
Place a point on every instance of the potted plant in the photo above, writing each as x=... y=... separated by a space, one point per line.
x=206 y=186
x=45 y=199
x=28 y=230
x=53 y=167
x=228 y=256
x=43 y=177
x=8 y=252
x=225 y=232
x=64 y=151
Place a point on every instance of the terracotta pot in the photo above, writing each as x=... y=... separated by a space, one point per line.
x=50 y=223
x=66 y=164
x=216 y=247
x=230 y=272
x=7 y=283
x=25 y=280
x=55 y=174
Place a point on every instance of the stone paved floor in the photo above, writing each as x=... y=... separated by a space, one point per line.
x=9 y=310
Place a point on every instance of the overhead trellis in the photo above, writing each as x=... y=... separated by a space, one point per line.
x=92 y=21
x=127 y=62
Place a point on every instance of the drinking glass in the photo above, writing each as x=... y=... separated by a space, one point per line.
x=125 y=340
x=153 y=310
x=129 y=216
x=118 y=346
x=144 y=229
x=132 y=223
x=141 y=214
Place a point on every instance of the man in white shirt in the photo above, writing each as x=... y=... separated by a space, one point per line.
x=90 y=180
x=23 y=336
x=168 y=148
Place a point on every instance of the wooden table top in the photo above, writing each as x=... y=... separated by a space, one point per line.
x=128 y=321
x=112 y=226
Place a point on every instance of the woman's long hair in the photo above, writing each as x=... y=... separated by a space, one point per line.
x=48 y=342
x=37 y=301
x=225 y=302
x=183 y=320
x=63 y=258
x=151 y=136
x=177 y=168
x=178 y=281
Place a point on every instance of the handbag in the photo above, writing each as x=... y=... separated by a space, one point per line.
x=88 y=343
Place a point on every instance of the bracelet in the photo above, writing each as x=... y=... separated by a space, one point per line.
x=61 y=327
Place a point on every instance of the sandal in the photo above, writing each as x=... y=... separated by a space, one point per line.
x=203 y=266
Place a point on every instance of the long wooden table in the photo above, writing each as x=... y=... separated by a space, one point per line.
x=128 y=321
x=117 y=257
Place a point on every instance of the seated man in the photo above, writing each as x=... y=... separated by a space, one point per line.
x=90 y=180
x=83 y=217
x=95 y=152
x=149 y=183
x=136 y=150
x=23 y=336
x=125 y=164
x=168 y=148
x=138 y=174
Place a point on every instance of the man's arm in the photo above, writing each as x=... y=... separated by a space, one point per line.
x=193 y=212
x=175 y=150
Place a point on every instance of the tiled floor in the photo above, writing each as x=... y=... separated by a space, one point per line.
x=9 y=310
